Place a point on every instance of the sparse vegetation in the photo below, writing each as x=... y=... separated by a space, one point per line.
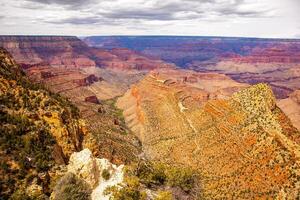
x=105 y=174
x=26 y=138
x=180 y=177
x=114 y=111
x=153 y=175
x=129 y=190
x=70 y=187
x=164 y=195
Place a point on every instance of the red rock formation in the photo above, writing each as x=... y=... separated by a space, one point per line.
x=90 y=79
x=45 y=74
x=274 y=53
x=247 y=60
x=52 y=50
x=92 y=99
x=184 y=51
x=125 y=59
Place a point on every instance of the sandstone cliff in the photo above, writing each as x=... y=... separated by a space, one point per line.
x=56 y=51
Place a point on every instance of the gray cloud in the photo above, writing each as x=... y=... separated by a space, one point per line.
x=183 y=10
x=222 y=17
x=67 y=3
x=233 y=11
x=168 y=10
x=77 y=20
x=139 y=14
x=93 y=20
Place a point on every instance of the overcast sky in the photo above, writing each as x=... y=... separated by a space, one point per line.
x=249 y=18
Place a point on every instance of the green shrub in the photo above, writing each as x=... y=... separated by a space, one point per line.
x=151 y=173
x=69 y=187
x=105 y=174
x=129 y=190
x=180 y=177
x=20 y=194
x=154 y=173
x=164 y=195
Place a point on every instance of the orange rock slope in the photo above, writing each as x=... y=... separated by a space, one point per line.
x=291 y=106
x=241 y=143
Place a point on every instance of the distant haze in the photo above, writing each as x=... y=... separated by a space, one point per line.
x=246 y=18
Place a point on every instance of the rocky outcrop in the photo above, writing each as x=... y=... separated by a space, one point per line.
x=90 y=79
x=89 y=169
x=45 y=75
x=91 y=99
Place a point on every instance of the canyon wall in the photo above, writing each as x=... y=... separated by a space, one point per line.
x=88 y=77
x=248 y=60
x=66 y=51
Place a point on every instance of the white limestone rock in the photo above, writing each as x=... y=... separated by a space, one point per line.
x=89 y=168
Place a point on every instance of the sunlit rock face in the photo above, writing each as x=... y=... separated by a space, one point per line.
x=85 y=166
x=240 y=141
x=291 y=107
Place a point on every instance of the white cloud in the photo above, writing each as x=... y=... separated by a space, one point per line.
x=255 y=18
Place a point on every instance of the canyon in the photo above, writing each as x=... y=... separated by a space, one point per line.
x=227 y=108
x=91 y=78
x=247 y=60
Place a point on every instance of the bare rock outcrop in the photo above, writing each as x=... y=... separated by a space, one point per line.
x=92 y=99
x=89 y=169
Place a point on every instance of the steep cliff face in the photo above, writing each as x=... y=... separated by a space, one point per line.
x=242 y=144
x=71 y=52
x=38 y=130
x=291 y=107
x=49 y=50
x=127 y=60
